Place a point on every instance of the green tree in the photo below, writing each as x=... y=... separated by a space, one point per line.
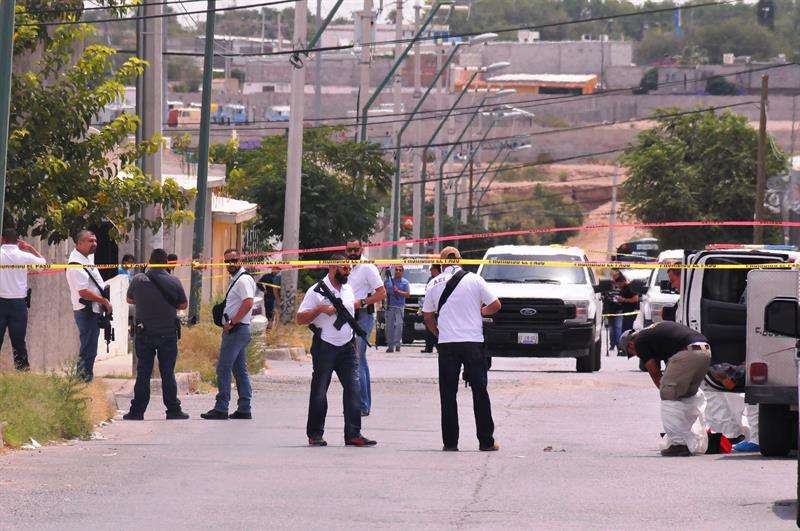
x=698 y=167
x=63 y=174
x=336 y=203
x=657 y=45
x=719 y=86
x=736 y=36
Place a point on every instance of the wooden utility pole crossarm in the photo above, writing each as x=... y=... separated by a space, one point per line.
x=761 y=163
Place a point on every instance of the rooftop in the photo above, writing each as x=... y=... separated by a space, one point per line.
x=543 y=78
x=229 y=210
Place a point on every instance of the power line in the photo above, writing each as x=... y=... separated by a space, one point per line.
x=146 y=17
x=534 y=103
x=542 y=163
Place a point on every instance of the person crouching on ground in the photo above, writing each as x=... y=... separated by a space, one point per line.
x=688 y=356
x=332 y=350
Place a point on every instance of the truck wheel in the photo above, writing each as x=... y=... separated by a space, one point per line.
x=774 y=430
x=585 y=363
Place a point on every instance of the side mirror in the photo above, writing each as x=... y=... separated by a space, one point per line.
x=604 y=285
x=780 y=317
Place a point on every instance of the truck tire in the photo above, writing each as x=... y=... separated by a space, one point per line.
x=598 y=355
x=591 y=362
x=775 y=435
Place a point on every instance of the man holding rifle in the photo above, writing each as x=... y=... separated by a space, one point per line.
x=328 y=308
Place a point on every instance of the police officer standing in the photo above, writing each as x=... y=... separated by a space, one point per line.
x=333 y=350
x=158 y=296
x=455 y=303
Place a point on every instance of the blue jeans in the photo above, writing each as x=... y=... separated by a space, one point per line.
x=328 y=358
x=394 y=326
x=147 y=348
x=367 y=321
x=89 y=333
x=616 y=330
x=233 y=358
x=14 y=317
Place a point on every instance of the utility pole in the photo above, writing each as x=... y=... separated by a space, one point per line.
x=397 y=88
x=418 y=191
x=612 y=217
x=6 y=57
x=761 y=163
x=280 y=32
x=201 y=200
x=318 y=71
x=152 y=101
x=294 y=162
x=263 y=27
x=471 y=183
x=366 y=56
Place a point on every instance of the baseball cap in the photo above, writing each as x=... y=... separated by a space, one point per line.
x=624 y=340
x=450 y=252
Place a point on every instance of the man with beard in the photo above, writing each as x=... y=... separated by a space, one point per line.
x=235 y=338
x=332 y=350
x=368 y=288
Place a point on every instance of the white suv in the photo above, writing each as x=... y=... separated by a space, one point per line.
x=546 y=311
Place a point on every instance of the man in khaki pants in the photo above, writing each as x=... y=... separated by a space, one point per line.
x=687 y=355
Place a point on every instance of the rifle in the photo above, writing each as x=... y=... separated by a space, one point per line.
x=342 y=315
x=105 y=317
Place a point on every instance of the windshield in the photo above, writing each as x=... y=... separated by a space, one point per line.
x=417 y=275
x=661 y=275
x=534 y=274
x=637 y=273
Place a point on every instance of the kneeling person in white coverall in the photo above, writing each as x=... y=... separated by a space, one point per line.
x=688 y=356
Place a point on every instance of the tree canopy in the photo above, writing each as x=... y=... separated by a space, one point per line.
x=698 y=167
x=344 y=185
x=65 y=174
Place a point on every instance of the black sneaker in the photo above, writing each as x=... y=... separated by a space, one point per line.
x=132 y=416
x=677 y=450
x=214 y=415
x=177 y=415
x=360 y=441
x=317 y=441
x=241 y=415
x=490 y=448
x=736 y=440
x=446 y=448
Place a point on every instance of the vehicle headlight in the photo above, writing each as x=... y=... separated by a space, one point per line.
x=581 y=311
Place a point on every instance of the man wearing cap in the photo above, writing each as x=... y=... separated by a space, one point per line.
x=687 y=355
x=455 y=304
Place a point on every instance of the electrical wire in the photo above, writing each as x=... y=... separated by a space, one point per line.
x=535 y=103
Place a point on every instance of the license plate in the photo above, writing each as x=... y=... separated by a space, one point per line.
x=419 y=326
x=528 y=339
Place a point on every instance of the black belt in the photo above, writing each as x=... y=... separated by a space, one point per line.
x=14 y=299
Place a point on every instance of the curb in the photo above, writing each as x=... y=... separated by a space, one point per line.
x=122 y=390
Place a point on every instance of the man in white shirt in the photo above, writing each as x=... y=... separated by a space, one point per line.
x=368 y=289
x=235 y=338
x=332 y=350
x=85 y=283
x=14 y=293
x=459 y=329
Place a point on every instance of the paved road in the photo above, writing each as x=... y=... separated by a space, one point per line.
x=578 y=451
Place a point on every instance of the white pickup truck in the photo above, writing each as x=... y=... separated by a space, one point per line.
x=546 y=311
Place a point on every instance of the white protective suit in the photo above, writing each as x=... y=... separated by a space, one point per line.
x=683 y=423
x=727 y=413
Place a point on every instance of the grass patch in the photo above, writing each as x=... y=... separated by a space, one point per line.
x=50 y=407
x=198 y=349
x=521 y=175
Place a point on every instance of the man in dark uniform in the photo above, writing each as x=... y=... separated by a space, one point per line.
x=688 y=356
x=157 y=296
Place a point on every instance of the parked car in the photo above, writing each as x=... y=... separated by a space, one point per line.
x=546 y=311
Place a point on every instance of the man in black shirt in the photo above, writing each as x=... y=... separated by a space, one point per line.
x=157 y=296
x=688 y=356
x=270 y=284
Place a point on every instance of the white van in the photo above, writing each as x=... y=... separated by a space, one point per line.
x=546 y=311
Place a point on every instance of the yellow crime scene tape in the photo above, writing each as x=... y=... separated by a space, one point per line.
x=421 y=261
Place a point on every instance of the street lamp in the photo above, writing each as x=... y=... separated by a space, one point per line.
x=398 y=60
x=395 y=206
x=483 y=192
x=437 y=204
